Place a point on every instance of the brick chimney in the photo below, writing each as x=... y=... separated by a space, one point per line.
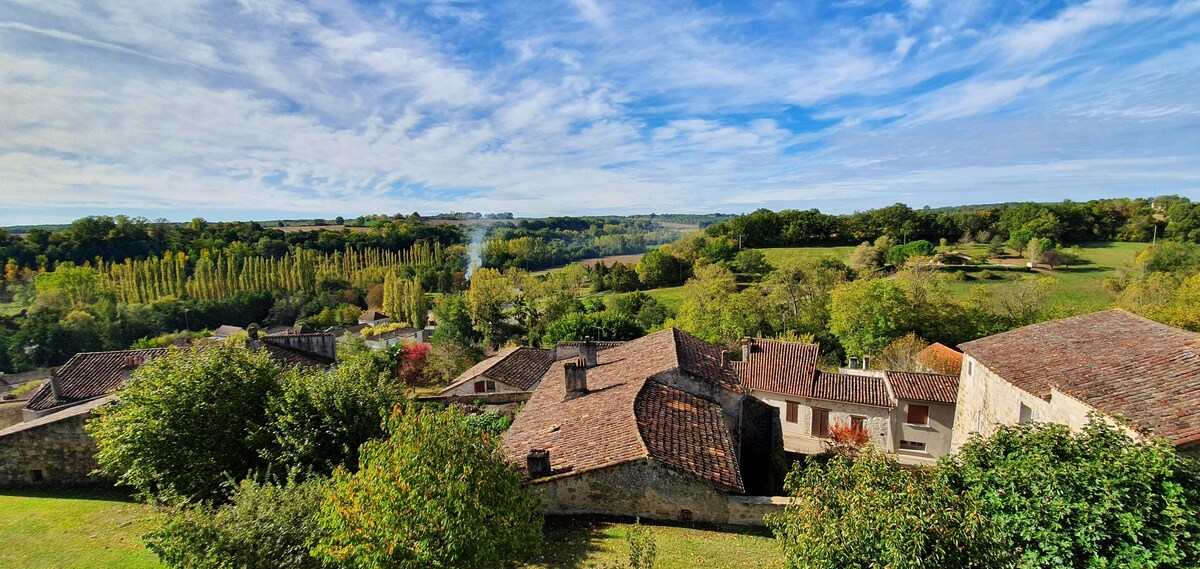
x=587 y=352
x=55 y=387
x=576 y=377
x=537 y=464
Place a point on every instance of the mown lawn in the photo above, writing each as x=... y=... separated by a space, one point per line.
x=97 y=528
x=601 y=544
x=72 y=529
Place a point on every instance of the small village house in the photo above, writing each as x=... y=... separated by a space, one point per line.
x=1131 y=369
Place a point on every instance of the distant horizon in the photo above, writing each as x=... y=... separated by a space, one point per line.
x=280 y=109
x=518 y=216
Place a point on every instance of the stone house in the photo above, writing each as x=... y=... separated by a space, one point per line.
x=510 y=370
x=373 y=318
x=51 y=445
x=1116 y=363
x=397 y=336
x=657 y=427
x=909 y=415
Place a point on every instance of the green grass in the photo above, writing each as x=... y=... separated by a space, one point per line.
x=1077 y=288
x=669 y=297
x=101 y=528
x=598 y=544
x=72 y=529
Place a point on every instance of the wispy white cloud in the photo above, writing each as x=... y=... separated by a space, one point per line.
x=219 y=108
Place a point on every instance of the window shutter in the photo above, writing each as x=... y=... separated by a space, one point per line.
x=918 y=414
x=820 y=423
x=480 y=387
x=793 y=412
x=856 y=423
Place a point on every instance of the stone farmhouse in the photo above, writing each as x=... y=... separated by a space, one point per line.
x=510 y=370
x=1113 y=362
x=373 y=318
x=51 y=445
x=659 y=427
x=908 y=414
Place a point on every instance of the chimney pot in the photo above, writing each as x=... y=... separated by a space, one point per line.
x=537 y=464
x=853 y=362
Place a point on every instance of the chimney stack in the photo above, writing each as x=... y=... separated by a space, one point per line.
x=55 y=387
x=853 y=362
x=252 y=339
x=576 y=377
x=587 y=352
x=746 y=344
x=537 y=464
x=866 y=362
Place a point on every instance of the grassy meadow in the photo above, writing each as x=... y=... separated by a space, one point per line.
x=1078 y=288
x=98 y=528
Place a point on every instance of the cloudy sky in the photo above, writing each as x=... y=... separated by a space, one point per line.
x=262 y=109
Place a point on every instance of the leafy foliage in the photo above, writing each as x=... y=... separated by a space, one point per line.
x=263 y=526
x=1089 y=499
x=188 y=423
x=435 y=492
x=865 y=512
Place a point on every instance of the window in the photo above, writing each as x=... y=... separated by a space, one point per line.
x=856 y=423
x=485 y=386
x=912 y=445
x=1026 y=414
x=820 y=423
x=793 y=412
x=918 y=415
x=36 y=475
x=970 y=367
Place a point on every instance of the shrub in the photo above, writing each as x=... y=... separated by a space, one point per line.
x=986 y=275
x=1089 y=499
x=961 y=275
x=262 y=527
x=435 y=492
x=490 y=423
x=189 y=422
x=866 y=512
x=846 y=440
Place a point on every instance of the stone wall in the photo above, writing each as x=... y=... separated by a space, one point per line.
x=468 y=389
x=646 y=488
x=797 y=437
x=324 y=344
x=54 y=452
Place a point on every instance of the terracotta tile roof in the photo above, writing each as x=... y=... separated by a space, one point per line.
x=940 y=358
x=601 y=428
x=779 y=367
x=564 y=350
x=687 y=433
x=227 y=330
x=790 y=368
x=1115 y=361
x=846 y=388
x=371 y=316
x=88 y=375
x=518 y=367
x=934 y=387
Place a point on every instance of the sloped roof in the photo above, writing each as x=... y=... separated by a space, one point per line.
x=620 y=418
x=687 y=433
x=779 y=367
x=790 y=368
x=847 y=388
x=1115 y=361
x=371 y=316
x=72 y=411
x=564 y=350
x=227 y=330
x=287 y=355
x=88 y=375
x=518 y=367
x=940 y=358
x=933 y=387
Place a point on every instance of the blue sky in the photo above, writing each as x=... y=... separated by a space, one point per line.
x=264 y=109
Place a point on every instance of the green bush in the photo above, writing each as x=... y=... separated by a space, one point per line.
x=490 y=423
x=435 y=492
x=866 y=512
x=961 y=276
x=986 y=275
x=188 y=423
x=262 y=527
x=1090 y=499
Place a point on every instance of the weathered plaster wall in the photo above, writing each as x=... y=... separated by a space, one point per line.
x=468 y=389
x=797 y=437
x=647 y=489
x=62 y=451
x=936 y=435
